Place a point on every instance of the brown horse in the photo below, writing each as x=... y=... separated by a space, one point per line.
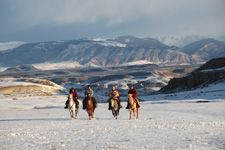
x=133 y=106
x=90 y=106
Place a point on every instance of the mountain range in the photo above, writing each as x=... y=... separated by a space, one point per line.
x=112 y=52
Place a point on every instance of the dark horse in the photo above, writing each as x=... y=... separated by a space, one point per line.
x=115 y=107
x=90 y=105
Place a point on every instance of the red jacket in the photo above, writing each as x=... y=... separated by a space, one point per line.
x=74 y=95
x=133 y=92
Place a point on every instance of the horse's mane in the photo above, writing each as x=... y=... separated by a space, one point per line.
x=92 y=98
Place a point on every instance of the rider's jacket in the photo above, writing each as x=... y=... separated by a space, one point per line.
x=74 y=94
x=88 y=92
x=133 y=92
x=114 y=94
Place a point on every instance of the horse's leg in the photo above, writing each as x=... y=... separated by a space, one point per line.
x=76 y=113
x=73 y=112
x=70 y=112
x=130 y=113
x=137 y=112
x=93 y=115
x=117 y=113
x=114 y=113
x=89 y=114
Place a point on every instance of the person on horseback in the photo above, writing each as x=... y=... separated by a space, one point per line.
x=89 y=91
x=133 y=91
x=113 y=94
x=75 y=95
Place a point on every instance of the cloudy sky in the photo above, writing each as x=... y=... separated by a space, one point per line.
x=48 y=20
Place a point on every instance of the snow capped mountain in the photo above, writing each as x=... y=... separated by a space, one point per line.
x=94 y=52
x=205 y=49
x=179 y=41
x=110 y=52
x=10 y=45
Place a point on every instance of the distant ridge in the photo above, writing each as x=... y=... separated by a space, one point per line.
x=110 y=52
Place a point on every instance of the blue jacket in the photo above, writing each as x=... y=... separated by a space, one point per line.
x=88 y=91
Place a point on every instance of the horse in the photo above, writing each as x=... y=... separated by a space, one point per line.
x=72 y=107
x=115 y=108
x=133 y=106
x=90 y=107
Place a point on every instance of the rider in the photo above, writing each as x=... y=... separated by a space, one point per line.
x=89 y=91
x=73 y=91
x=134 y=95
x=115 y=95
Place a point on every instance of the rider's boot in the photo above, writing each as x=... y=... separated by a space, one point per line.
x=84 y=102
x=109 y=106
x=83 y=107
x=128 y=106
x=121 y=106
x=77 y=104
x=138 y=103
x=67 y=103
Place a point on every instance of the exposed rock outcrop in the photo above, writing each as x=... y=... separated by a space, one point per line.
x=212 y=71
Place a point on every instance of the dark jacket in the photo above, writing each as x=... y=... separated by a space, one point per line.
x=133 y=92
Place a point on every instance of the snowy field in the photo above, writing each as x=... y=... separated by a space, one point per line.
x=42 y=123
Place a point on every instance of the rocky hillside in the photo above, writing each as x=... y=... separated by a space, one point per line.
x=211 y=72
x=22 y=87
x=111 y=52
x=21 y=68
x=94 y=52
x=205 y=50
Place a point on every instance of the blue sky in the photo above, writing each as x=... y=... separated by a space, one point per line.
x=49 y=20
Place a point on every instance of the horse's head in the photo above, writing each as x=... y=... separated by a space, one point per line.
x=129 y=95
x=130 y=99
x=89 y=95
x=70 y=97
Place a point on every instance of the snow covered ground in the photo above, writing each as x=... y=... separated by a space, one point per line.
x=10 y=45
x=42 y=123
